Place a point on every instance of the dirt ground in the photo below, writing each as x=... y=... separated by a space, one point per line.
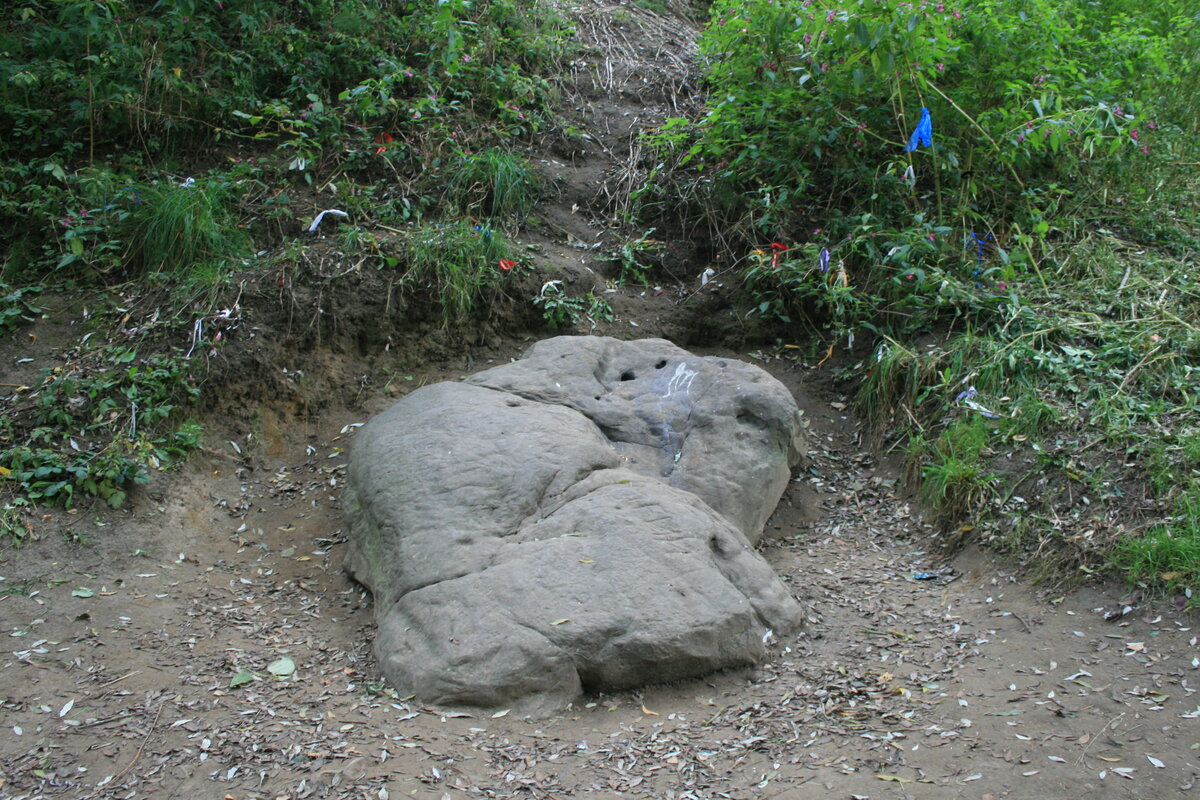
x=914 y=677
x=206 y=642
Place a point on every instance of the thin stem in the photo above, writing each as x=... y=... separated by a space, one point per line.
x=979 y=128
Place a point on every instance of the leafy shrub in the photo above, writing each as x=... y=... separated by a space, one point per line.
x=561 y=310
x=1034 y=105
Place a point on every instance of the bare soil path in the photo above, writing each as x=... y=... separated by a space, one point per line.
x=207 y=643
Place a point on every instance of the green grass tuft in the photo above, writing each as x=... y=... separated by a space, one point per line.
x=183 y=231
x=955 y=482
x=1167 y=558
x=494 y=184
x=457 y=262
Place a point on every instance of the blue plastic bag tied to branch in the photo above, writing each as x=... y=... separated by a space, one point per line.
x=922 y=135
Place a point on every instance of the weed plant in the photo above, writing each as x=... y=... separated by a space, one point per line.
x=457 y=263
x=635 y=258
x=494 y=184
x=183 y=231
x=562 y=310
x=16 y=306
x=98 y=426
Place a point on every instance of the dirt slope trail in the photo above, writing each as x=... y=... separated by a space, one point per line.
x=634 y=69
x=207 y=642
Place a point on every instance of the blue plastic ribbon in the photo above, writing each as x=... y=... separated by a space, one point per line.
x=922 y=135
x=980 y=243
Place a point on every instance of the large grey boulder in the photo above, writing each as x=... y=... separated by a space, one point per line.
x=578 y=520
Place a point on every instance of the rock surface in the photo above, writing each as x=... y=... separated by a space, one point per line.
x=578 y=520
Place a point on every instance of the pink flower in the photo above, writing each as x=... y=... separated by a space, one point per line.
x=1133 y=134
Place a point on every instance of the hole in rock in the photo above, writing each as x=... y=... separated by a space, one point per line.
x=661 y=364
x=627 y=375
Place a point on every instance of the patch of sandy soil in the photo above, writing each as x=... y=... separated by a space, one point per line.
x=206 y=642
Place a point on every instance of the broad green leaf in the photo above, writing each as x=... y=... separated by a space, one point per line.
x=241 y=679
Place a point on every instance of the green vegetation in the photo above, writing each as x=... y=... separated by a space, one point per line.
x=97 y=426
x=494 y=184
x=561 y=310
x=181 y=230
x=1023 y=274
x=456 y=263
x=1014 y=290
x=635 y=258
x=16 y=306
x=149 y=149
x=299 y=92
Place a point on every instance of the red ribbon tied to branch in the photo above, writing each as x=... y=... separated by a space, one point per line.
x=776 y=249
